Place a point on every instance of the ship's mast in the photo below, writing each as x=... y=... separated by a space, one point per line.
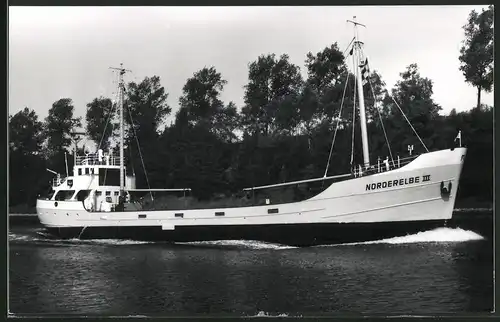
x=121 y=91
x=75 y=138
x=357 y=52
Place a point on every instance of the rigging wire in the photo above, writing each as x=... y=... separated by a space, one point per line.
x=137 y=81
x=140 y=153
x=381 y=122
x=113 y=106
x=337 y=127
x=107 y=122
x=341 y=106
x=380 y=117
x=408 y=121
x=352 y=40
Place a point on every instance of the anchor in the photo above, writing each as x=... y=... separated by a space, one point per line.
x=445 y=191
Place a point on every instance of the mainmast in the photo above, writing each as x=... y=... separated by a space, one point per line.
x=121 y=91
x=358 y=58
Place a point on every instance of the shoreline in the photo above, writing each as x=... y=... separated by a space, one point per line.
x=473 y=210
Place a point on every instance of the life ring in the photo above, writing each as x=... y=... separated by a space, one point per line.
x=445 y=191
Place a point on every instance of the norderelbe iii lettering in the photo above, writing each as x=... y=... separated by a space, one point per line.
x=398 y=182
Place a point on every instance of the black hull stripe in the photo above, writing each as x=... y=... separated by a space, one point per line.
x=287 y=234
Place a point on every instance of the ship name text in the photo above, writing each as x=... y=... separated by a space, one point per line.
x=398 y=182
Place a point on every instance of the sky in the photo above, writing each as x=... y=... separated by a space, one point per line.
x=59 y=52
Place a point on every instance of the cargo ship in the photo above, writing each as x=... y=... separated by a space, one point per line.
x=374 y=200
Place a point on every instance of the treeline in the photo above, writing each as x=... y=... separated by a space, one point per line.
x=283 y=131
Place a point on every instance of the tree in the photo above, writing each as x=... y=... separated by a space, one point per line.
x=271 y=93
x=146 y=106
x=476 y=53
x=59 y=125
x=145 y=110
x=322 y=96
x=203 y=132
x=201 y=105
x=413 y=94
x=226 y=122
x=200 y=96
x=27 y=165
x=25 y=132
x=99 y=119
x=374 y=92
x=325 y=68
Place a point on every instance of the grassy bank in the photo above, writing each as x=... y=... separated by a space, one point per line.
x=473 y=203
x=22 y=209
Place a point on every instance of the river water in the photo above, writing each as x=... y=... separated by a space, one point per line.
x=446 y=270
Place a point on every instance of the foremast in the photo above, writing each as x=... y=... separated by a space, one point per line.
x=121 y=95
x=359 y=62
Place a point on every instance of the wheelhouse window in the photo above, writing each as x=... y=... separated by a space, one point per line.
x=82 y=195
x=63 y=195
x=98 y=193
x=86 y=170
x=79 y=171
x=108 y=193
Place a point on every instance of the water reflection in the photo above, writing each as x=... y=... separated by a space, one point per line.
x=474 y=265
x=163 y=279
x=61 y=279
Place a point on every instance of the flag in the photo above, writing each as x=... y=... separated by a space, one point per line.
x=459 y=138
x=365 y=71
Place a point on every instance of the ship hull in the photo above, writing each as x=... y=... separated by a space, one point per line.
x=300 y=235
x=410 y=199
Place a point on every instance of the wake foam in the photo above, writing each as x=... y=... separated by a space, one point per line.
x=19 y=237
x=438 y=235
x=43 y=237
x=238 y=244
x=114 y=242
x=266 y=314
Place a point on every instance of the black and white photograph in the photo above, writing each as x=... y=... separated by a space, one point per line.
x=250 y=161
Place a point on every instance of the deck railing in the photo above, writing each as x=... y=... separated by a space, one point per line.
x=383 y=166
x=93 y=159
